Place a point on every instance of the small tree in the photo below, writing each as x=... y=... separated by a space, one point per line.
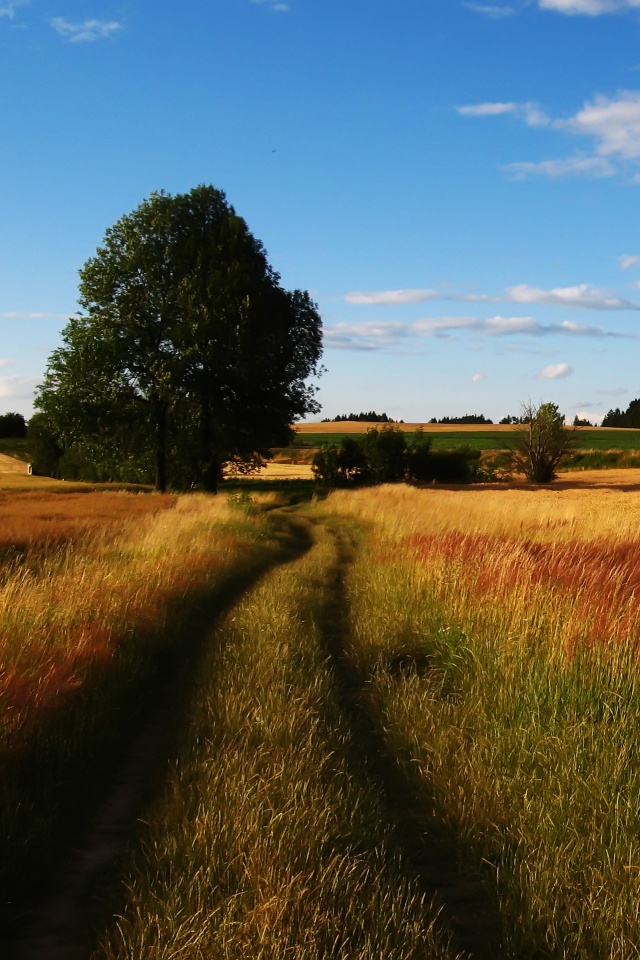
x=541 y=442
x=385 y=450
x=338 y=466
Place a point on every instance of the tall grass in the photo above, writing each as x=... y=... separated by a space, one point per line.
x=498 y=634
x=85 y=637
x=269 y=841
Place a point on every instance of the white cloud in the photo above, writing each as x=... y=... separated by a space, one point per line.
x=582 y=296
x=614 y=123
x=487 y=109
x=275 y=5
x=392 y=297
x=9 y=9
x=491 y=10
x=6 y=363
x=627 y=261
x=590 y=8
x=555 y=371
x=611 y=123
x=477 y=377
x=374 y=335
x=531 y=113
x=614 y=392
x=593 y=168
x=87 y=31
x=17 y=388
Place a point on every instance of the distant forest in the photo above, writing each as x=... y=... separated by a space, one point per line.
x=468 y=418
x=627 y=418
x=370 y=417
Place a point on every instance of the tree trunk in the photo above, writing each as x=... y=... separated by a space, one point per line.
x=161 y=447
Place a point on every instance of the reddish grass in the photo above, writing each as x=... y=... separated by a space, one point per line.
x=37 y=521
x=604 y=577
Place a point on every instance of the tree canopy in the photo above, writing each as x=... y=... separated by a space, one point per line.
x=541 y=442
x=188 y=353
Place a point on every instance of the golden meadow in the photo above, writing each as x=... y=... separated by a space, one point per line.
x=483 y=641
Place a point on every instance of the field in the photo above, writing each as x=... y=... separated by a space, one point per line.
x=391 y=723
x=475 y=436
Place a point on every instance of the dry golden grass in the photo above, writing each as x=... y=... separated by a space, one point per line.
x=499 y=629
x=583 y=506
x=63 y=618
x=12 y=466
x=44 y=519
x=284 y=471
x=352 y=426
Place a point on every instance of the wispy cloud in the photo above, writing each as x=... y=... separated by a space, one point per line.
x=627 y=261
x=492 y=10
x=376 y=335
x=276 y=5
x=555 y=371
x=583 y=296
x=87 y=31
x=611 y=123
x=613 y=392
x=17 y=388
x=9 y=9
x=591 y=168
x=589 y=8
x=478 y=377
x=6 y=363
x=392 y=297
x=530 y=112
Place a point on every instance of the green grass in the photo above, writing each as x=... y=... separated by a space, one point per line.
x=597 y=439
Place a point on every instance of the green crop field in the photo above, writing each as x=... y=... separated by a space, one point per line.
x=596 y=439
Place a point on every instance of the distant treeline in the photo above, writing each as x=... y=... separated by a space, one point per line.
x=468 y=418
x=627 y=418
x=370 y=417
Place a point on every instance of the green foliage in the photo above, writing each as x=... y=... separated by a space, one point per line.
x=383 y=455
x=189 y=353
x=370 y=417
x=12 y=425
x=339 y=465
x=628 y=418
x=541 y=443
x=385 y=450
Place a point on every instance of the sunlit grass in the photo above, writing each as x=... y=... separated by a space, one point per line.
x=498 y=635
x=269 y=842
x=85 y=634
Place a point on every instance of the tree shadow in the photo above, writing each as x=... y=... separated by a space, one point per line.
x=431 y=843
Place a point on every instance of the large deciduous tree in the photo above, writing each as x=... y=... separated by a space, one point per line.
x=188 y=348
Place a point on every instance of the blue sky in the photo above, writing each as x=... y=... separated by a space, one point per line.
x=456 y=183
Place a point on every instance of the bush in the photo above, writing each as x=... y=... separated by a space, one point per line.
x=383 y=456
